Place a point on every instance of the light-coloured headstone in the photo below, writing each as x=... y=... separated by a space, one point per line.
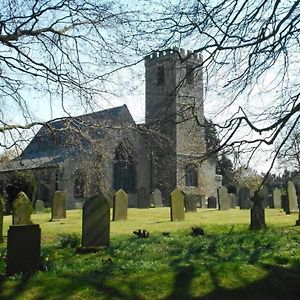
x=23 y=249
x=244 y=198
x=143 y=198
x=293 y=204
x=59 y=205
x=39 y=206
x=177 y=206
x=157 y=199
x=95 y=222
x=22 y=210
x=232 y=200
x=224 y=198
x=1 y=222
x=120 y=206
x=277 y=198
x=190 y=202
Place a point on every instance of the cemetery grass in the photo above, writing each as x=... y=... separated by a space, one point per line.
x=228 y=262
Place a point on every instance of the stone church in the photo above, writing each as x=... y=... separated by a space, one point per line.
x=106 y=150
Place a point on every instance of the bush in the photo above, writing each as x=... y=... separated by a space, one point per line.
x=71 y=240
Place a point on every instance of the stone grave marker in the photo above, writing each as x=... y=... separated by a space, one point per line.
x=39 y=206
x=23 y=249
x=59 y=205
x=157 y=198
x=95 y=222
x=1 y=222
x=244 y=198
x=224 y=198
x=120 y=205
x=177 y=206
x=292 y=196
x=22 y=210
x=285 y=203
x=232 y=200
x=190 y=202
x=211 y=202
x=277 y=198
x=143 y=198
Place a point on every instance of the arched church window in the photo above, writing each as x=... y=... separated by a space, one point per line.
x=124 y=170
x=191 y=176
x=79 y=185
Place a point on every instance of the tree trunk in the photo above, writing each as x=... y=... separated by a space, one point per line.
x=257 y=213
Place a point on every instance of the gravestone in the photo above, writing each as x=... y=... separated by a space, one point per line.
x=39 y=206
x=232 y=200
x=95 y=222
x=198 y=201
x=157 y=199
x=264 y=192
x=244 y=198
x=277 y=198
x=22 y=210
x=271 y=201
x=190 y=202
x=59 y=205
x=23 y=249
x=120 y=206
x=143 y=198
x=211 y=202
x=177 y=206
x=1 y=222
x=292 y=196
x=285 y=203
x=224 y=198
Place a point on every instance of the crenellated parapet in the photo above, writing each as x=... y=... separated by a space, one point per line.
x=176 y=53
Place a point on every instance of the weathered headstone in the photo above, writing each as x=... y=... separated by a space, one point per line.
x=285 y=203
x=157 y=199
x=190 y=202
x=1 y=222
x=211 y=202
x=39 y=206
x=232 y=200
x=244 y=198
x=264 y=192
x=257 y=212
x=120 y=206
x=59 y=205
x=23 y=249
x=224 y=198
x=22 y=210
x=95 y=222
x=177 y=206
x=143 y=198
x=293 y=204
x=277 y=198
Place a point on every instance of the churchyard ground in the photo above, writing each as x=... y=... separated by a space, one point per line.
x=228 y=262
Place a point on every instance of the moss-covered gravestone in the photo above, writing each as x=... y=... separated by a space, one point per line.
x=23 y=249
x=177 y=206
x=1 y=222
x=95 y=222
x=224 y=198
x=120 y=206
x=292 y=196
x=157 y=198
x=59 y=205
x=277 y=198
x=190 y=202
x=39 y=206
x=22 y=210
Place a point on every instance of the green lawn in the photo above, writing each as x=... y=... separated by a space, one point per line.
x=229 y=262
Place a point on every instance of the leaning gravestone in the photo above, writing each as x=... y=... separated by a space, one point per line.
x=177 y=206
x=190 y=202
x=244 y=196
x=157 y=199
x=1 y=222
x=143 y=198
x=120 y=206
x=293 y=204
x=95 y=222
x=277 y=198
x=59 y=205
x=224 y=198
x=39 y=206
x=22 y=210
x=23 y=249
x=211 y=202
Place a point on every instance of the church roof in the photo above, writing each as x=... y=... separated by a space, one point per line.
x=69 y=136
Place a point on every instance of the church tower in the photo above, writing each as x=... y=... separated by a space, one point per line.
x=175 y=115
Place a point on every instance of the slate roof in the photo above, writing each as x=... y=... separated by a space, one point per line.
x=67 y=137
